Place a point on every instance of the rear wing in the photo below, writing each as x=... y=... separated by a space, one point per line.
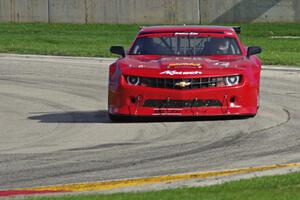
x=237 y=29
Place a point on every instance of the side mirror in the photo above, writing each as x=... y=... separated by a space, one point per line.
x=253 y=50
x=119 y=50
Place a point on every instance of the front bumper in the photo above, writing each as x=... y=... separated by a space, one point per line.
x=219 y=101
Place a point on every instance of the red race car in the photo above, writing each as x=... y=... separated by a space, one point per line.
x=184 y=71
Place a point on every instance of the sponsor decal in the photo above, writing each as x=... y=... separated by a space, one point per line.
x=218 y=63
x=224 y=64
x=175 y=72
x=183 y=58
x=185 y=65
x=228 y=33
x=186 y=34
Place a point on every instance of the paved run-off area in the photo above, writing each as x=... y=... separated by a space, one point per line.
x=55 y=130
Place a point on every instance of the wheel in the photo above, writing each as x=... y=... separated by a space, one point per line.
x=248 y=116
x=251 y=116
x=114 y=117
x=118 y=118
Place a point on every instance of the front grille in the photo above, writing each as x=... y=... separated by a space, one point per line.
x=181 y=83
x=155 y=103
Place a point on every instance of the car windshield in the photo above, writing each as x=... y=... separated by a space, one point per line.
x=185 y=46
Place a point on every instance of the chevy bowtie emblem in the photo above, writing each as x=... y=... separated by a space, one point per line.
x=183 y=84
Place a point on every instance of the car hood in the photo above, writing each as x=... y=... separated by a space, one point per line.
x=173 y=65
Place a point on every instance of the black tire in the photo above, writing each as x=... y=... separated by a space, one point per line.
x=251 y=116
x=118 y=118
x=248 y=116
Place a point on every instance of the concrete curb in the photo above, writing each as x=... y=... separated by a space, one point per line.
x=136 y=182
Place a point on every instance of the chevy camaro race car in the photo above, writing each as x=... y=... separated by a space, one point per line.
x=185 y=71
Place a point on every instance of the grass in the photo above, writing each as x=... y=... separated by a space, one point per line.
x=280 y=187
x=95 y=40
x=276 y=51
x=64 y=39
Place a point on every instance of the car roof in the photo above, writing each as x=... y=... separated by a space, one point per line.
x=185 y=28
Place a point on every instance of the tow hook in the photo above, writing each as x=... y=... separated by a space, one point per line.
x=196 y=106
x=134 y=104
x=168 y=102
x=137 y=103
x=225 y=104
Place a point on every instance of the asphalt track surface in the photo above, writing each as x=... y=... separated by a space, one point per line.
x=54 y=128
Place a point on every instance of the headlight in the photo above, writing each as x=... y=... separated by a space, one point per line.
x=232 y=80
x=133 y=80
